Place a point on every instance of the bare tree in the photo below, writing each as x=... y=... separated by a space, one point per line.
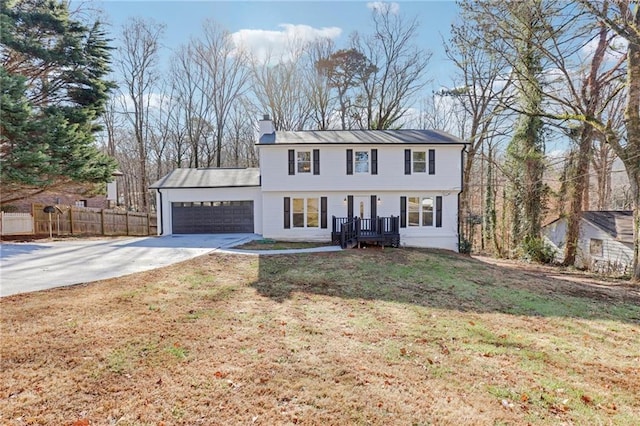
x=279 y=89
x=623 y=18
x=194 y=112
x=318 y=86
x=138 y=62
x=483 y=87
x=400 y=67
x=228 y=72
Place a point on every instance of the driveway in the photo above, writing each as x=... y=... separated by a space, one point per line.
x=27 y=267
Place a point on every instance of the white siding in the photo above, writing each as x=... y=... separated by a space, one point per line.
x=445 y=237
x=616 y=256
x=208 y=194
x=274 y=169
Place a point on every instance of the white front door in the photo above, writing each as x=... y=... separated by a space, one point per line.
x=362 y=207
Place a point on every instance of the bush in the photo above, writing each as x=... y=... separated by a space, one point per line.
x=465 y=246
x=537 y=250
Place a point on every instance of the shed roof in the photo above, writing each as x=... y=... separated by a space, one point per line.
x=361 y=137
x=617 y=223
x=209 y=178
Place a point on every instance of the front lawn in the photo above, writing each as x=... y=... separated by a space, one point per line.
x=393 y=336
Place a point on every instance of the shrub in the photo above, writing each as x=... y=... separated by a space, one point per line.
x=537 y=250
x=465 y=246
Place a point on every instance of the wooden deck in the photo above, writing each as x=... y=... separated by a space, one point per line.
x=351 y=232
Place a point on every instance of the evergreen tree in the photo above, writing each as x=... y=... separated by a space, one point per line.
x=54 y=87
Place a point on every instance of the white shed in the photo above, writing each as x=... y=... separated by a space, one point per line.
x=605 y=242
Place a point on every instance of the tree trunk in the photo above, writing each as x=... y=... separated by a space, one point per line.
x=577 y=181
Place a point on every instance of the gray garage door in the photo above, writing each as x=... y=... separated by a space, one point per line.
x=215 y=217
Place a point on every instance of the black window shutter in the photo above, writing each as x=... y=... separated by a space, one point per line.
x=438 y=212
x=432 y=161
x=292 y=162
x=316 y=161
x=349 y=161
x=287 y=213
x=403 y=212
x=323 y=212
x=349 y=206
x=374 y=161
x=407 y=161
x=374 y=206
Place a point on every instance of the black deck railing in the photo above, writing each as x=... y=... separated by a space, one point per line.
x=349 y=232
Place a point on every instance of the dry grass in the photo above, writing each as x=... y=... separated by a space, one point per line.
x=409 y=337
x=267 y=244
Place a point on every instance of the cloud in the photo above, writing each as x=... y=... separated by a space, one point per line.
x=382 y=7
x=282 y=44
x=617 y=48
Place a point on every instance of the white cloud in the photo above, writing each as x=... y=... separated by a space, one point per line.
x=382 y=7
x=282 y=44
x=617 y=48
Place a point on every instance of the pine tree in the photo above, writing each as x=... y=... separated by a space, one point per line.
x=54 y=87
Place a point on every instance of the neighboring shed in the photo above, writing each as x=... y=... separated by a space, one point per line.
x=209 y=201
x=605 y=241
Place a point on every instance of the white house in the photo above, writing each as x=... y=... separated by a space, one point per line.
x=605 y=241
x=311 y=182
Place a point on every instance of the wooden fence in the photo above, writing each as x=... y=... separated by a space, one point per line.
x=69 y=220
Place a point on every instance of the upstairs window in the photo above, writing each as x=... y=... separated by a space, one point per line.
x=419 y=162
x=304 y=161
x=362 y=162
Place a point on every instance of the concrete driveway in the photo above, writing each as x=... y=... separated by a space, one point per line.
x=27 y=267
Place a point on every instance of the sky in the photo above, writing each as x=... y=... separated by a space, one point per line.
x=268 y=22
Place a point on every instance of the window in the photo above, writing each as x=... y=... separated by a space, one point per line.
x=595 y=247
x=419 y=211
x=427 y=212
x=305 y=213
x=304 y=161
x=362 y=161
x=414 y=211
x=419 y=162
x=81 y=203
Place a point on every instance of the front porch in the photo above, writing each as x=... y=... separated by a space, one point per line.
x=351 y=232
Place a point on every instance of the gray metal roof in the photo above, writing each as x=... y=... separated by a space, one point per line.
x=618 y=224
x=209 y=178
x=360 y=137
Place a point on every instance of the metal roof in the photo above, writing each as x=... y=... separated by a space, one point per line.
x=361 y=137
x=618 y=224
x=209 y=178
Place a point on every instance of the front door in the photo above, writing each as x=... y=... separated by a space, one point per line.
x=362 y=207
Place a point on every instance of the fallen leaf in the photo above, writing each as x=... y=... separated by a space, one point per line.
x=220 y=374
x=403 y=351
x=586 y=399
x=524 y=397
x=81 y=422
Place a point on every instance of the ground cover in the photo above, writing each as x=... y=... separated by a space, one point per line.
x=393 y=336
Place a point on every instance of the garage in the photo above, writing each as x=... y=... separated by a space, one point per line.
x=209 y=201
x=212 y=217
